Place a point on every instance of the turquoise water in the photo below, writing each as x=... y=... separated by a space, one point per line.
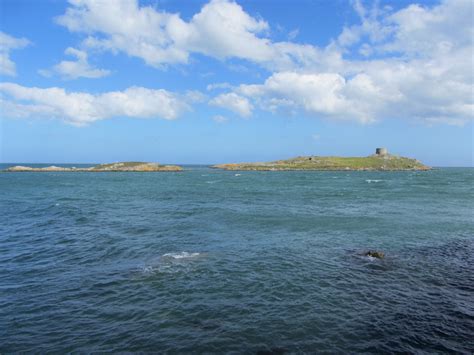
x=246 y=262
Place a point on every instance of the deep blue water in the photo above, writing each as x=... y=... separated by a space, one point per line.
x=215 y=261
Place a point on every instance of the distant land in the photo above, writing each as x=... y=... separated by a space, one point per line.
x=381 y=160
x=122 y=166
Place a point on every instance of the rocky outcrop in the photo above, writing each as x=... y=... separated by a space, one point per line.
x=122 y=166
x=375 y=254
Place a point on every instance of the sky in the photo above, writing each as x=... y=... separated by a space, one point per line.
x=203 y=82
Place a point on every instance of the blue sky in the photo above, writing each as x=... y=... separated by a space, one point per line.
x=222 y=81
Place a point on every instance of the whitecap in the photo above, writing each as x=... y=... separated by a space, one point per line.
x=372 y=180
x=182 y=255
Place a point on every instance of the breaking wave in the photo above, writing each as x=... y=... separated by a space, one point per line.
x=182 y=255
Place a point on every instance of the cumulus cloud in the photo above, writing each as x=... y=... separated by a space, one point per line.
x=422 y=31
x=8 y=43
x=69 y=69
x=325 y=94
x=417 y=65
x=234 y=102
x=222 y=29
x=79 y=108
x=414 y=63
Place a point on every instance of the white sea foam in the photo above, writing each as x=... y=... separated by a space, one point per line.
x=372 y=180
x=182 y=255
x=238 y=175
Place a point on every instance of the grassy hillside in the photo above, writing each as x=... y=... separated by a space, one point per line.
x=373 y=162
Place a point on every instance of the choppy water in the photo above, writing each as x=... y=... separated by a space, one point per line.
x=215 y=261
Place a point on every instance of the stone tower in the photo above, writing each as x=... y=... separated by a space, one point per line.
x=381 y=151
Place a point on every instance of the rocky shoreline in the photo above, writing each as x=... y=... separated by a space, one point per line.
x=113 y=167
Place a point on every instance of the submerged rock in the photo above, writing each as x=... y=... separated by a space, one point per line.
x=375 y=254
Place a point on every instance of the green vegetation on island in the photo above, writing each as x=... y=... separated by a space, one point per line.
x=122 y=166
x=381 y=160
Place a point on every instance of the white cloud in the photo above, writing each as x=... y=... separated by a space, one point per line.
x=325 y=94
x=222 y=29
x=234 y=102
x=372 y=28
x=220 y=119
x=81 y=108
x=69 y=69
x=423 y=31
x=414 y=63
x=8 y=43
x=417 y=66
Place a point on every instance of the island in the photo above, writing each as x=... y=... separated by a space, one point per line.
x=120 y=167
x=381 y=160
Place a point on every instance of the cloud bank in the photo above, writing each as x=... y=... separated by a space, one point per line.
x=79 y=108
x=222 y=29
x=413 y=64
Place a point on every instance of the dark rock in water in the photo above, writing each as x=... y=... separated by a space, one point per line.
x=375 y=254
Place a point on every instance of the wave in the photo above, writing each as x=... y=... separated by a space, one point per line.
x=372 y=180
x=182 y=255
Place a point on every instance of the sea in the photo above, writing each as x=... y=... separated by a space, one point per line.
x=240 y=262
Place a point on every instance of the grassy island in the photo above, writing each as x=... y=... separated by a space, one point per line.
x=383 y=162
x=123 y=166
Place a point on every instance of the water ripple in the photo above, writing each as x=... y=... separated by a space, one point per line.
x=269 y=263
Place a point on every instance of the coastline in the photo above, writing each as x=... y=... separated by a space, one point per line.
x=112 y=167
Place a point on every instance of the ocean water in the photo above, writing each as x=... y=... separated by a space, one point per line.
x=241 y=262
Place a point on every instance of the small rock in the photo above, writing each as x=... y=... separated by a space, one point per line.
x=375 y=254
